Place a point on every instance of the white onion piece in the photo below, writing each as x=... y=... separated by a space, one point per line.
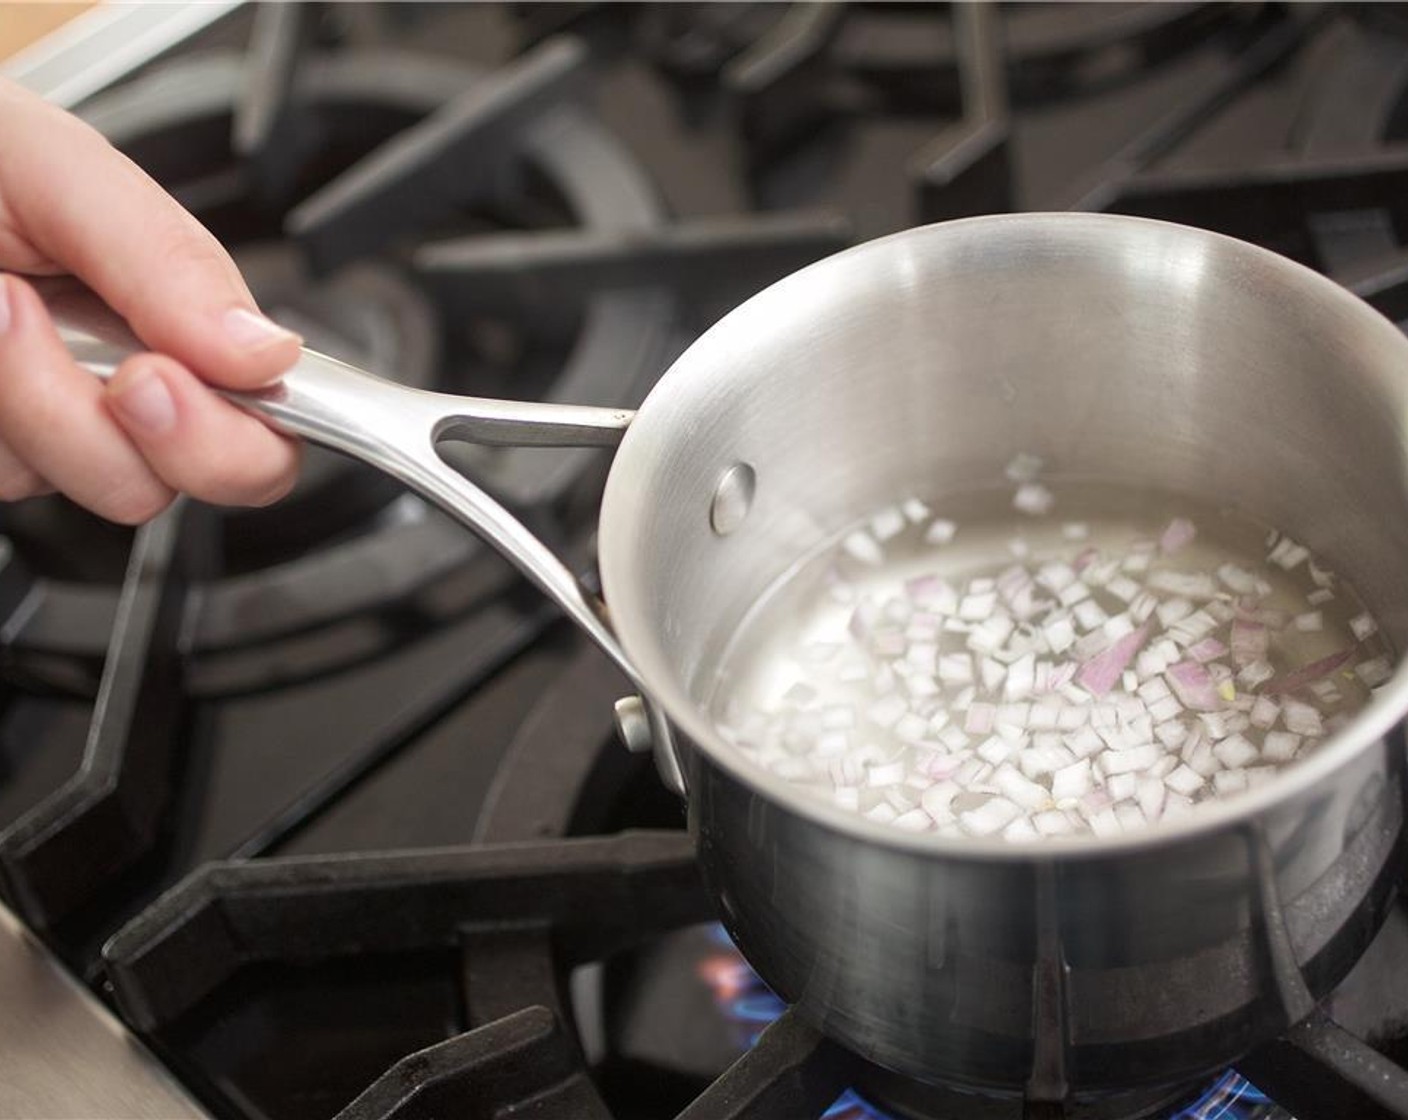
x=1171 y=610
x=1045 y=716
x=1326 y=691
x=1021 y=678
x=1303 y=719
x=938 y=799
x=1122 y=587
x=1023 y=791
x=996 y=750
x=1309 y=622
x=1280 y=746
x=1171 y=733
x=863 y=547
x=912 y=727
x=1193 y=685
x=1320 y=596
x=953 y=737
x=1166 y=709
x=1190 y=585
x=1363 y=626
x=1085 y=741
x=1075 y=530
x=977 y=607
x=1053 y=822
x=1287 y=554
x=1257 y=672
x=1209 y=649
x=1127 y=761
x=1071 y=782
x=915 y=511
x=1045 y=759
x=1137 y=562
x=1033 y=498
x=1089 y=614
x=1374 y=671
x=992 y=816
x=1235 y=752
x=941 y=531
x=980 y=719
x=1227 y=782
x=901 y=798
x=956 y=668
x=914 y=820
x=1264 y=712
x=1184 y=780
x=1150 y=795
x=848 y=797
x=1237 y=579
x=1129 y=817
x=888 y=523
x=1179 y=534
x=1201 y=760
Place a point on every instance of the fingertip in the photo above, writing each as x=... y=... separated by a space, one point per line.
x=257 y=351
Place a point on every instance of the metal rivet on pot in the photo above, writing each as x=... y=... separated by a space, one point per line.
x=733 y=498
x=633 y=724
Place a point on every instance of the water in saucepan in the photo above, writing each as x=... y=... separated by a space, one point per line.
x=1047 y=660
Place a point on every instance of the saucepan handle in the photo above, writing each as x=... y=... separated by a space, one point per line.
x=395 y=429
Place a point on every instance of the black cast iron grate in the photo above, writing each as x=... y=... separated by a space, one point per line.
x=512 y=914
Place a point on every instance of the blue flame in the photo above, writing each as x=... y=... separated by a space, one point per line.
x=751 y=1006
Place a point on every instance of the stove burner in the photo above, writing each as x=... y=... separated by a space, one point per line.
x=750 y=1007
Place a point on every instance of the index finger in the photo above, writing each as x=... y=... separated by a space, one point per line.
x=90 y=209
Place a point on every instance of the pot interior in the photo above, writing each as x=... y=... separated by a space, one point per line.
x=1112 y=348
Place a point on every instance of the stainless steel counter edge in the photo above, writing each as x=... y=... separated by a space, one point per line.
x=63 y=1055
x=105 y=44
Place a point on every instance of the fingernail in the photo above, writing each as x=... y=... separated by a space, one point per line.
x=4 y=305
x=146 y=403
x=251 y=331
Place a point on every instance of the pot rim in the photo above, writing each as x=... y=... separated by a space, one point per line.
x=637 y=637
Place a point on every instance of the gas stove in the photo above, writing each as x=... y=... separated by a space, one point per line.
x=320 y=802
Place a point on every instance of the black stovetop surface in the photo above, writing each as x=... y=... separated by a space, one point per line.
x=320 y=721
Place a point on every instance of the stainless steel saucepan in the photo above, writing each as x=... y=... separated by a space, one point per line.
x=1110 y=347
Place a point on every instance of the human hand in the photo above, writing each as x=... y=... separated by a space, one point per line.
x=71 y=203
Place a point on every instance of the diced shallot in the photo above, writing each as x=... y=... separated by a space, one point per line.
x=1374 y=671
x=1129 y=761
x=1363 y=626
x=1194 y=687
x=1280 y=746
x=863 y=547
x=1185 y=781
x=1309 y=673
x=1098 y=675
x=992 y=816
x=1033 y=498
